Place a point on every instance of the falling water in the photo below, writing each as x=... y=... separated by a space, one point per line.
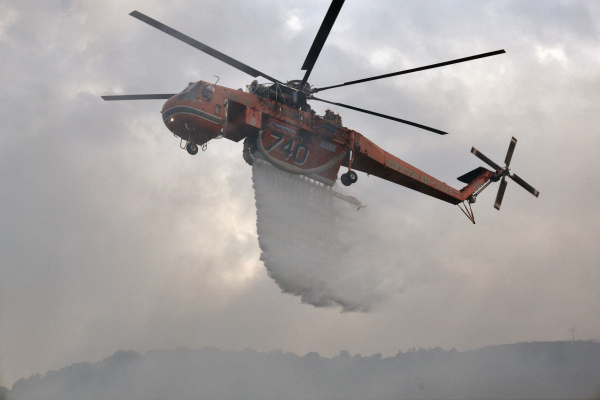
x=314 y=245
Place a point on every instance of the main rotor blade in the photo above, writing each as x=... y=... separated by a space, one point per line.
x=315 y=49
x=384 y=116
x=492 y=53
x=139 y=97
x=525 y=185
x=200 y=46
x=511 y=149
x=500 y=194
x=485 y=159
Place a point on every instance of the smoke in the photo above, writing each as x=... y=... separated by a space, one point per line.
x=535 y=370
x=319 y=247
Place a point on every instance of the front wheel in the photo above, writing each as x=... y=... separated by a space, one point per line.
x=191 y=148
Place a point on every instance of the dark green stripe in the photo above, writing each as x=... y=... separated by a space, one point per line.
x=193 y=111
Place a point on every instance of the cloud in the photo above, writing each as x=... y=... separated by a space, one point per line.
x=111 y=237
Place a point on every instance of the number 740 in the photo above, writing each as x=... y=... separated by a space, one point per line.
x=298 y=152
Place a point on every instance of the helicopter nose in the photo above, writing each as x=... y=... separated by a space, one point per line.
x=191 y=123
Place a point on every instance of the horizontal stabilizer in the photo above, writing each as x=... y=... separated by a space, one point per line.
x=470 y=176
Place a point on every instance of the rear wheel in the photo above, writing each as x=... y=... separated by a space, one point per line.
x=191 y=148
x=345 y=180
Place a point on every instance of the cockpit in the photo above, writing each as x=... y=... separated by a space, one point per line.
x=191 y=93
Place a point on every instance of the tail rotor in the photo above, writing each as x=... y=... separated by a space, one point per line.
x=525 y=185
x=511 y=150
x=502 y=173
x=500 y=194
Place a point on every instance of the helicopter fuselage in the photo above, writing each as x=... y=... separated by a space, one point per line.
x=295 y=140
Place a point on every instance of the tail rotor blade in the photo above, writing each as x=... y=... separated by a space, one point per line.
x=511 y=149
x=525 y=185
x=485 y=159
x=500 y=194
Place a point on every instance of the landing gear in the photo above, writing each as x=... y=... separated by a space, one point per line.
x=191 y=148
x=349 y=178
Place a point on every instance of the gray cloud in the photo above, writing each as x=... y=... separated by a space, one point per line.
x=111 y=238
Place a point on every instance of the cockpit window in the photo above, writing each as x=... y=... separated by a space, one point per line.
x=191 y=92
x=196 y=88
x=193 y=87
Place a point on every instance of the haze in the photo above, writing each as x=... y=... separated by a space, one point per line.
x=111 y=237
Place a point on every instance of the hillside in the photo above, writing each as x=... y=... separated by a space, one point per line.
x=549 y=370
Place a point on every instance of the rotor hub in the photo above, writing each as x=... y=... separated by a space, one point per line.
x=297 y=84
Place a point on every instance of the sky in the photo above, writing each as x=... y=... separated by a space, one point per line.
x=111 y=237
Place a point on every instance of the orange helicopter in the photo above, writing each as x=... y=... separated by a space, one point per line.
x=278 y=125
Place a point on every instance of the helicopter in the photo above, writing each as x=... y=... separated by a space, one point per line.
x=278 y=125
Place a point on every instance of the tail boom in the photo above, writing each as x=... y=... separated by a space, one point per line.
x=373 y=160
